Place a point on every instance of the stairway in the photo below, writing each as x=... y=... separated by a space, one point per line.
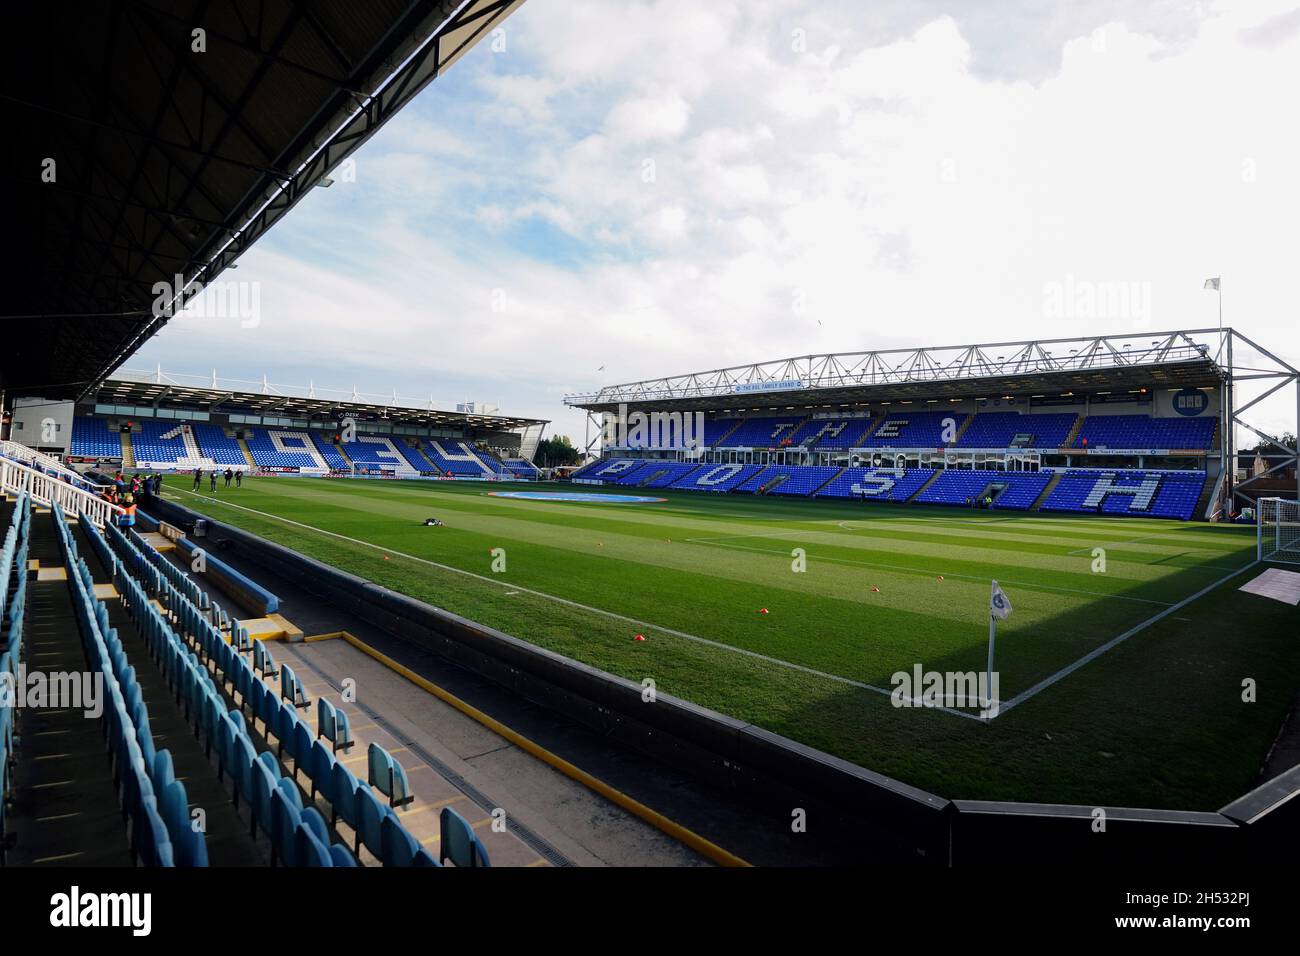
x=872 y=425
x=248 y=454
x=228 y=840
x=128 y=451
x=722 y=439
x=1047 y=492
x=1207 y=492
x=813 y=493
x=777 y=482
x=928 y=482
x=65 y=810
x=970 y=420
x=1074 y=432
x=424 y=453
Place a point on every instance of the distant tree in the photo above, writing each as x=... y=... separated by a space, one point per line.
x=556 y=452
x=1287 y=439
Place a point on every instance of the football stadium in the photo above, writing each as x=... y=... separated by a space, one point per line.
x=912 y=606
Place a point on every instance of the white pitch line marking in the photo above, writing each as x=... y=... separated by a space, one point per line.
x=584 y=607
x=930 y=573
x=1069 y=669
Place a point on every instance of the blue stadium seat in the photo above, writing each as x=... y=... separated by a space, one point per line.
x=1138 y=432
x=92 y=438
x=717 y=478
x=826 y=434
x=1128 y=493
x=282 y=448
x=908 y=429
x=877 y=484
x=457 y=458
x=957 y=487
x=458 y=841
x=764 y=432
x=388 y=776
x=1002 y=429
x=220 y=447
x=790 y=480
x=332 y=724
x=398 y=847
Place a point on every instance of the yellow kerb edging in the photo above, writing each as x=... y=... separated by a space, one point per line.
x=678 y=832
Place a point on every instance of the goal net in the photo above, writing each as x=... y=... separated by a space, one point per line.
x=1278 y=524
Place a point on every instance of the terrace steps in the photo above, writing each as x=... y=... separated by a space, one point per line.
x=970 y=420
x=815 y=491
x=721 y=442
x=1071 y=438
x=928 y=482
x=1051 y=486
x=247 y=452
x=1207 y=491
x=128 y=451
x=871 y=428
x=423 y=449
x=777 y=482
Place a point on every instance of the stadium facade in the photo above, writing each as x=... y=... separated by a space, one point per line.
x=164 y=422
x=1142 y=424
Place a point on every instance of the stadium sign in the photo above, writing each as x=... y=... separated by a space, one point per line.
x=1095 y=450
x=1191 y=402
x=782 y=386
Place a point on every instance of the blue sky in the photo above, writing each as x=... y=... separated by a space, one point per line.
x=663 y=187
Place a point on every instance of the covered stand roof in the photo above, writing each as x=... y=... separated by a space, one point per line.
x=290 y=402
x=1049 y=366
x=133 y=156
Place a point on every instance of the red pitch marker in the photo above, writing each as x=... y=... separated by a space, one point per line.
x=762 y=610
x=874 y=589
x=639 y=637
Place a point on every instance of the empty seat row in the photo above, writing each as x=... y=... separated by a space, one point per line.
x=1136 y=432
x=145 y=788
x=1015 y=429
x=1010 y=490
x=92 y=438
x=296 y=838
x=1135 y=493
x=798 y=480
x=13 y=605
x=298 y=835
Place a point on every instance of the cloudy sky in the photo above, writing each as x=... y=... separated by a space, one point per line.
x=633 y=189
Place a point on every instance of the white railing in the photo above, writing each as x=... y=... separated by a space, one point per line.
x=48 y=489
x=28 y=456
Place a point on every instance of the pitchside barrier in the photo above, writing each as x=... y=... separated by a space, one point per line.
x=890 y=821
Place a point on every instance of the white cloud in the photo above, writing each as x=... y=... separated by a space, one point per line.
x=909 y=193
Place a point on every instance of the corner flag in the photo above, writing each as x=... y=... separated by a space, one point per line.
x=999 y=605
x=1212 y=284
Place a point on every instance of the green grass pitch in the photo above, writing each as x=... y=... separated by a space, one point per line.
x=1158 y=720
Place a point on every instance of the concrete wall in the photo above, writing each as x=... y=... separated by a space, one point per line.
x=890 y=821
x=42 y=424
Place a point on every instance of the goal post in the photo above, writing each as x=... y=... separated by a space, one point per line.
x=1277 y=522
